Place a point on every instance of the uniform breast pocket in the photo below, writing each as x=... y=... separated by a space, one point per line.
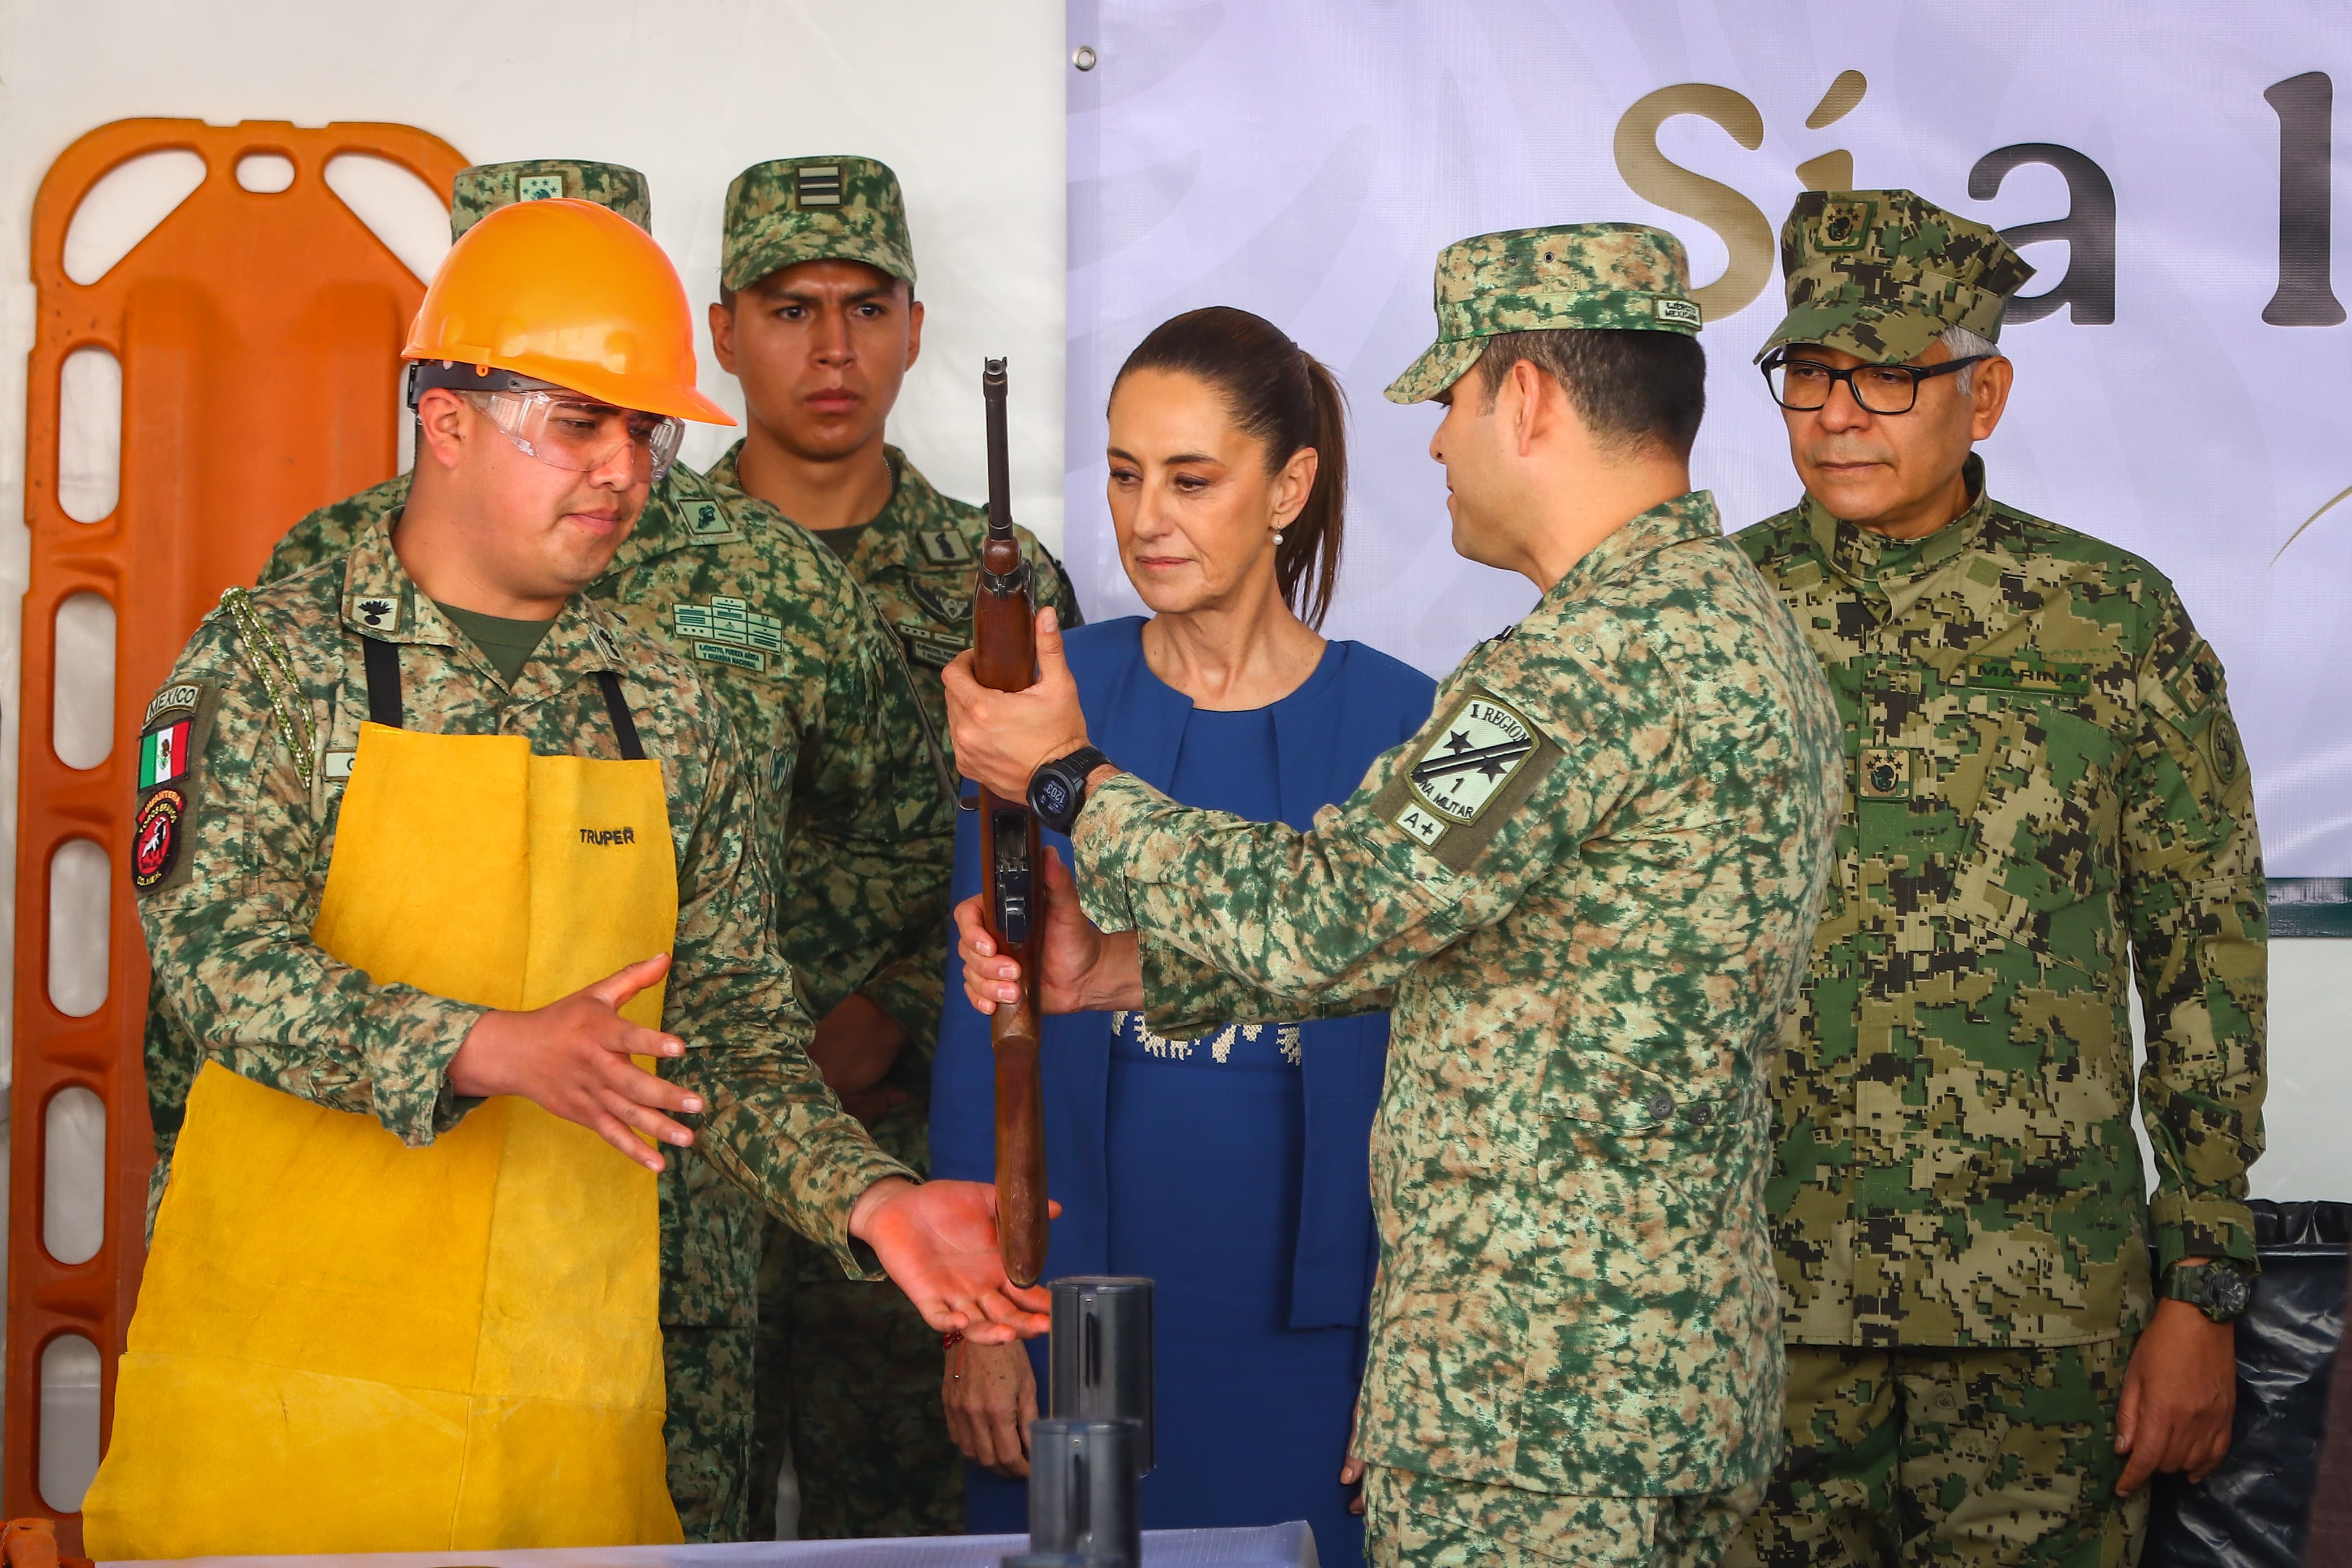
x=2036 y=803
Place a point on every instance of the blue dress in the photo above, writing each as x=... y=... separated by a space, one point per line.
x=1233 y=1169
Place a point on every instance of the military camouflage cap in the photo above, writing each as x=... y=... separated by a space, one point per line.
x=1621 y=277
x=486 y=187
x=1880 y=275
x=814 y=209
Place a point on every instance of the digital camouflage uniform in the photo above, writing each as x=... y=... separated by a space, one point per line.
x=1584 y=892
x=855 y=812
x=849 y=1378
x=277 y=690
x=2046 y=799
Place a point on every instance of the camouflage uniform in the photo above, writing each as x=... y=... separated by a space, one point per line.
x=1584 y=894
x=848 y=1381
x=856 y=814
x=2045 y=784
x=277 y=691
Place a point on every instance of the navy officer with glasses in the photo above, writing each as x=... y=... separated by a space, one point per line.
x=1996 y=1332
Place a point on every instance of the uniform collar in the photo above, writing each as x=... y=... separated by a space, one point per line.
x=1689 y=515
x=1868 y=558
x=906 y=483
x=382 y=601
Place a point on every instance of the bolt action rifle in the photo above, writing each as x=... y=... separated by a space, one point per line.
x=1004 y=659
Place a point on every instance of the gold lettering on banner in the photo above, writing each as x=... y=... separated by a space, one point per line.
x=1744 y=231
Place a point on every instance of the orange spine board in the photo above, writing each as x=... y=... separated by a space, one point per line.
x=258 y=335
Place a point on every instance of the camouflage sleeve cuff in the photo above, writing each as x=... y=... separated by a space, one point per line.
x=912 y=991
x=1184 y=998
x=406 y=1037
x=1110 y=814
x=2200 y=1228
x=811 y=1188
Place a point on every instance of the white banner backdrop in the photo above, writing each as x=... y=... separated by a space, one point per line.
x=2185 y=390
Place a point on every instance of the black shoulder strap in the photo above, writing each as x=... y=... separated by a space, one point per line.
x=625 y=729
x=382 y=680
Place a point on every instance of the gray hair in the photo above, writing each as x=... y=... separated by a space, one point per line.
x=1965 y=344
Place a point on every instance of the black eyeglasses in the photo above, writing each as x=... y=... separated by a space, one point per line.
x=1805 y=385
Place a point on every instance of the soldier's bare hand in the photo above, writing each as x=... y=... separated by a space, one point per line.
x=2180 y=1395
x=1001 y=737
x=1081 y=968
x=990 y=1394
x=571 y=1059
x=938 y=1243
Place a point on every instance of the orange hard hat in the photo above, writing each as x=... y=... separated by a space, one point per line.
x=569 y=293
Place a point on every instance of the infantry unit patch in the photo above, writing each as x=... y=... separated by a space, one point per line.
x=945 y=547
x=704 y=520
x=155 y=837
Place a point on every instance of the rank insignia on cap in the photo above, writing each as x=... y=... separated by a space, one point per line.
x=1845 y=225
x=817 y=185
x=155 y=837
x=539 y=187
x=374 y=612
x=944 y=547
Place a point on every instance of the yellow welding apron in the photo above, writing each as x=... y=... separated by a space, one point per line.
x=345 y=1344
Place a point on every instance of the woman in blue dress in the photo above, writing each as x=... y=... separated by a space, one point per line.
x=1232 y=1169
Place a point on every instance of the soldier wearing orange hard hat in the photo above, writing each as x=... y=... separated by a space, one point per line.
x=453 y=886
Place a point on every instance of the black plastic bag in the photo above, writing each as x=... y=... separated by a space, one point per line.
x=2254 y=1510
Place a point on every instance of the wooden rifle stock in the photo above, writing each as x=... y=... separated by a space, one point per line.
x=1004 y=659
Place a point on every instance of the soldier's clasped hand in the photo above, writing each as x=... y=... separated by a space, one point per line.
x=1001 y=737
x=572 y=1059
x=1084 y=969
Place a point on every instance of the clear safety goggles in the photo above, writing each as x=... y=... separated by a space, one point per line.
x=562 y=428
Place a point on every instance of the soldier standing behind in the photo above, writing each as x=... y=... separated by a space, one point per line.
x=1584 y=892
x=856 y=817
x=818 y=319
x=2047 y=801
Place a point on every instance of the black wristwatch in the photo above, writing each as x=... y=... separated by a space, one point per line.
x=1057 y=790
x=2220 y=1289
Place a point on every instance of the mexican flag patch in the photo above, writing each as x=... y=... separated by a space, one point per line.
x=164 y=753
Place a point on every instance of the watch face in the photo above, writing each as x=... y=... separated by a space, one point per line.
x=1053 y=797
x=2226 y=1291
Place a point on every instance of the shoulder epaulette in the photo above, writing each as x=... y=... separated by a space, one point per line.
x=259 y=649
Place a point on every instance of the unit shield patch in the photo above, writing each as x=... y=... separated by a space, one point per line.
x=155 y=837
x=1457 y=775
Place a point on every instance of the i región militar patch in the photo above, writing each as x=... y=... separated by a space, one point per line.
x=1474 y=755
x=155 y=837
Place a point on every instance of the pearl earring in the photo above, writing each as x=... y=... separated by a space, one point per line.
x=1278 y=536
